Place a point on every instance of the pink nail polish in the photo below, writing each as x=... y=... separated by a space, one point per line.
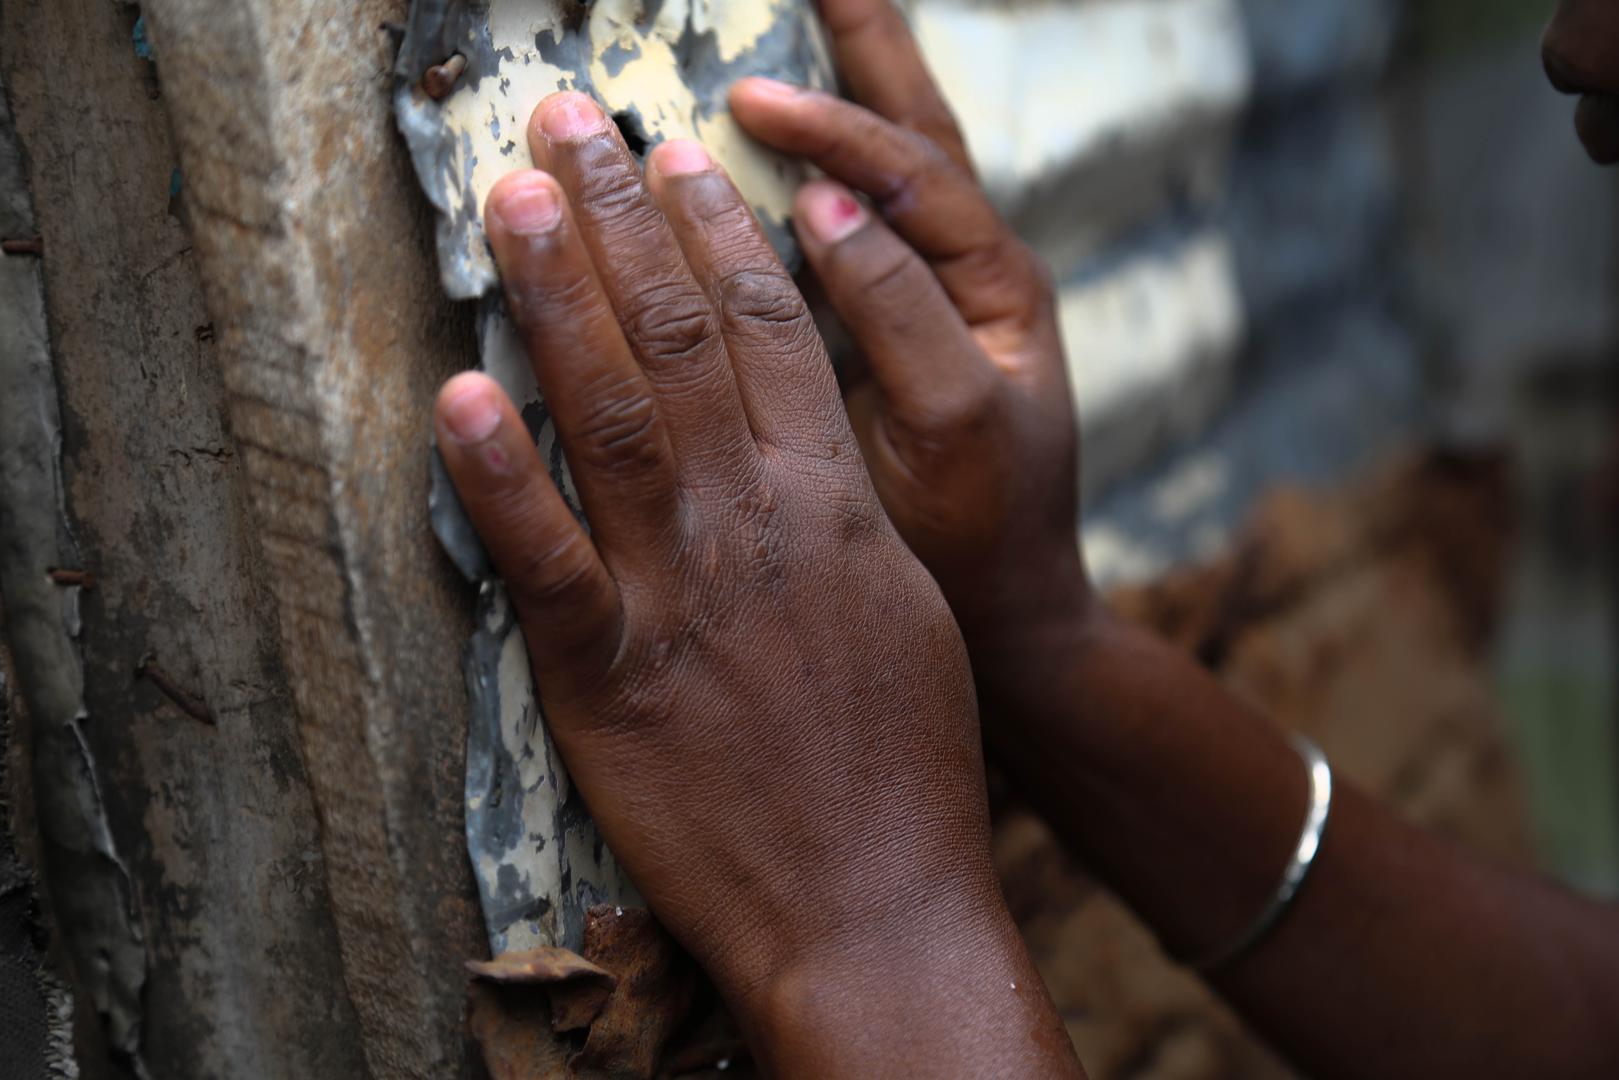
x=830 y=213
x=495 y=459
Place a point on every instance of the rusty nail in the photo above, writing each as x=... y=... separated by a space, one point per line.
x=82 y=578
x=440 y=80
x=189 y=703
x=32 y=246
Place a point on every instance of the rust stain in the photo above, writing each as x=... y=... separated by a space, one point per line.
x=512 y=1026
x=82 y=578
x=545 y=965
x=32 y=245
x=659 y=987
x=576 y=988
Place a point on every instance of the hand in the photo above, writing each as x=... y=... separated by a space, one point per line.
x=758 y=689
x=965 y=416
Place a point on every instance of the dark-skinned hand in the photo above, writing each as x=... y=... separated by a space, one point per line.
x=962 y=404
x=1401 y=956
x=758 y=689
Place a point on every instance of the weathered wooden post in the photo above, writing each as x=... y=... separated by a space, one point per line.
x=304 y=914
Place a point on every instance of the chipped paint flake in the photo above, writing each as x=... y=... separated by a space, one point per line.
x=665 y=76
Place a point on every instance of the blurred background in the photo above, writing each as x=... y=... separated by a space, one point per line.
x=1341 y=296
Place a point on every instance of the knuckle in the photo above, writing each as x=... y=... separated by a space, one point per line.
x=1034 y=280
x=670 y=324
x=1007 y=277
x=925 y=166
x=754 y=295
x=556 y=573
x=619 y=429
x=1024 y=270
x=972 y=415
x=614 y=202
x=1003 y=266
x=969 y=416
x=1040 y=272
x=540 y=298
x=716 y=206
x=607 y=188
x=895 y=280
x=838 y=481
x=932 y=160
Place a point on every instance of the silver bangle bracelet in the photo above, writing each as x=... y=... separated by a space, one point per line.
x=1315 y=825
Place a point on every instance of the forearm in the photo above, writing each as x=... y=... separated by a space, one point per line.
x=1400 y=957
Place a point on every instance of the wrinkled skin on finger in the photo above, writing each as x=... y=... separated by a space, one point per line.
x=757 y=687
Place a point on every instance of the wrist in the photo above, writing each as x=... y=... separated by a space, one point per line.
x=1022 y=598
x=921 y=999
x=1017 y=652
x=766 y=959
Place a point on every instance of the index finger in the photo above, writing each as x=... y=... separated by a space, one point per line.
x=883 y=69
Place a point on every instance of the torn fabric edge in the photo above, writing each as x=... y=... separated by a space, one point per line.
x=90 y=887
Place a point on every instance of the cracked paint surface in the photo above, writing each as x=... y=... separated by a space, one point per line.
x=661 y=68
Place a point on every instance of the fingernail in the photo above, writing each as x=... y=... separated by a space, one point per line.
x=571 y=116
x=681 y=157
x=831 y=213
x=528 y=209
x=471 y=415
x=773 y=88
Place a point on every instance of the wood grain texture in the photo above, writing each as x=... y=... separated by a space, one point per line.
x=316 y=262
x=217 y=824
